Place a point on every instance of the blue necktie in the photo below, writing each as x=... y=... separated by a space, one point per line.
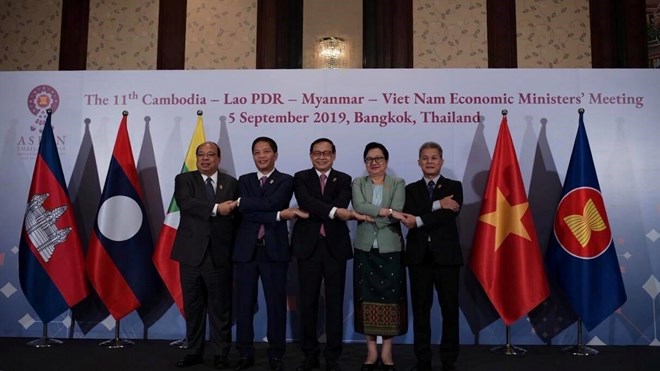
x=210 y=192
x=429 y=188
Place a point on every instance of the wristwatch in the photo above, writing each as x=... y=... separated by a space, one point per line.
x=389 y=212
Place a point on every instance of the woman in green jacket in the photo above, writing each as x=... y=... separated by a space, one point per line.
x=379 y=279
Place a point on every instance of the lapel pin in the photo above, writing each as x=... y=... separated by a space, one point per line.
x=271 y=181
x=334 y=179
x=219 y=186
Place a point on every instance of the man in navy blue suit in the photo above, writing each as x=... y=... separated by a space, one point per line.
x=322 y=245
x=262 y=250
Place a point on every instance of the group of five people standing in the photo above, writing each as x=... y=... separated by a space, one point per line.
x=234 y=232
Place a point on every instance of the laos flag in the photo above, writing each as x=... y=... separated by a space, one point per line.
x=120 y=248
x=581 y=253
x=50 y=258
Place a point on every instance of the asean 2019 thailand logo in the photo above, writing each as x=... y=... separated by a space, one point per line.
x=581 y=226
x=40 y=99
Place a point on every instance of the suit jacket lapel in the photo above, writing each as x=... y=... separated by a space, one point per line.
x=369 y=189
x=198 y=179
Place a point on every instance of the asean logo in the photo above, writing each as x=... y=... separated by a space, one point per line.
x=581 y=226
x=39 y=101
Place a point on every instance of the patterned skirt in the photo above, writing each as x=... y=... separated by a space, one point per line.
x=379 y=293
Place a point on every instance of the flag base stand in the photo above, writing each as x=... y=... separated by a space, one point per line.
x=580 y=349
x=509 y=349
x=181 y=343
x=117 y=343
x=44 y=341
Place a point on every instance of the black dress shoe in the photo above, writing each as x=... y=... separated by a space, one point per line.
x=275 y=364
x=308 y=364
x=385 y=367
x=369 y=366
x=448 y=366
x=421 y=367
x=190 y=360
x=244 y=363
x=220 y=362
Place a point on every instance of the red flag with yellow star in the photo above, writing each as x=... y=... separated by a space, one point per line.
x=506 y=257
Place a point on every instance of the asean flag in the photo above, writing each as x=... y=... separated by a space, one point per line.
x=581 y=253
x=120 y=247
x=50 y=258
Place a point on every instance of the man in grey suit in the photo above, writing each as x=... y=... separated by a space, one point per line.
x=203 y=247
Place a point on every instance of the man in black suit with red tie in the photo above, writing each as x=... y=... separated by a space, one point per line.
x=262 y=250
x=433 y=255
x=202 y=246
x=322 y=246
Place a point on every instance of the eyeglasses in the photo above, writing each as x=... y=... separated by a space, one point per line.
x=206 y=154
x=322 y=153
x=379 y=160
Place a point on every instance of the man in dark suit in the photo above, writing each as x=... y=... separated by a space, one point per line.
x=322 y=246
x=262 y=250
x=203 y=246
x=433 y=255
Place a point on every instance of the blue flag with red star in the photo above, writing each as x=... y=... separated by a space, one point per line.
x=581 y=253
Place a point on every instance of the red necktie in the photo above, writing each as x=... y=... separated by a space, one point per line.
x=324 y=178
x=262 y=229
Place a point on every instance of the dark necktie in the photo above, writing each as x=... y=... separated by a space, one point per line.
x=324 y=178
x=262 y=229
x=429 y=187
x=210 y=191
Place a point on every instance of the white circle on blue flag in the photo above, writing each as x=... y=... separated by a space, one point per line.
x=120 y=218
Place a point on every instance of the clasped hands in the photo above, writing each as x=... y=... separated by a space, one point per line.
x=227 y=207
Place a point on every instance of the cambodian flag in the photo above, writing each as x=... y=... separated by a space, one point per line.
x=581 y=253
x=119 y=255
x=51 y=264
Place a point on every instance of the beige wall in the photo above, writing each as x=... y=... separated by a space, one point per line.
x=339 y=18
x=553 y=34
x=450 y=34
x=30 y=35
x=123 y=35
x=221 y=34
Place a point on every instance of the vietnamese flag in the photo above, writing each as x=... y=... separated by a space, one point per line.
x=506 y=256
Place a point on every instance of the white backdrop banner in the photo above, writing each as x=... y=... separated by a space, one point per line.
x=460 y=109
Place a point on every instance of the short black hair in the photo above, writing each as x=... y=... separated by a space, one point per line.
x=217 y=147
x=268 y=140
x=322 y=140
x=373 y=145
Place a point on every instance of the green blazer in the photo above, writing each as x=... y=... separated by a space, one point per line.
x=386 y=230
